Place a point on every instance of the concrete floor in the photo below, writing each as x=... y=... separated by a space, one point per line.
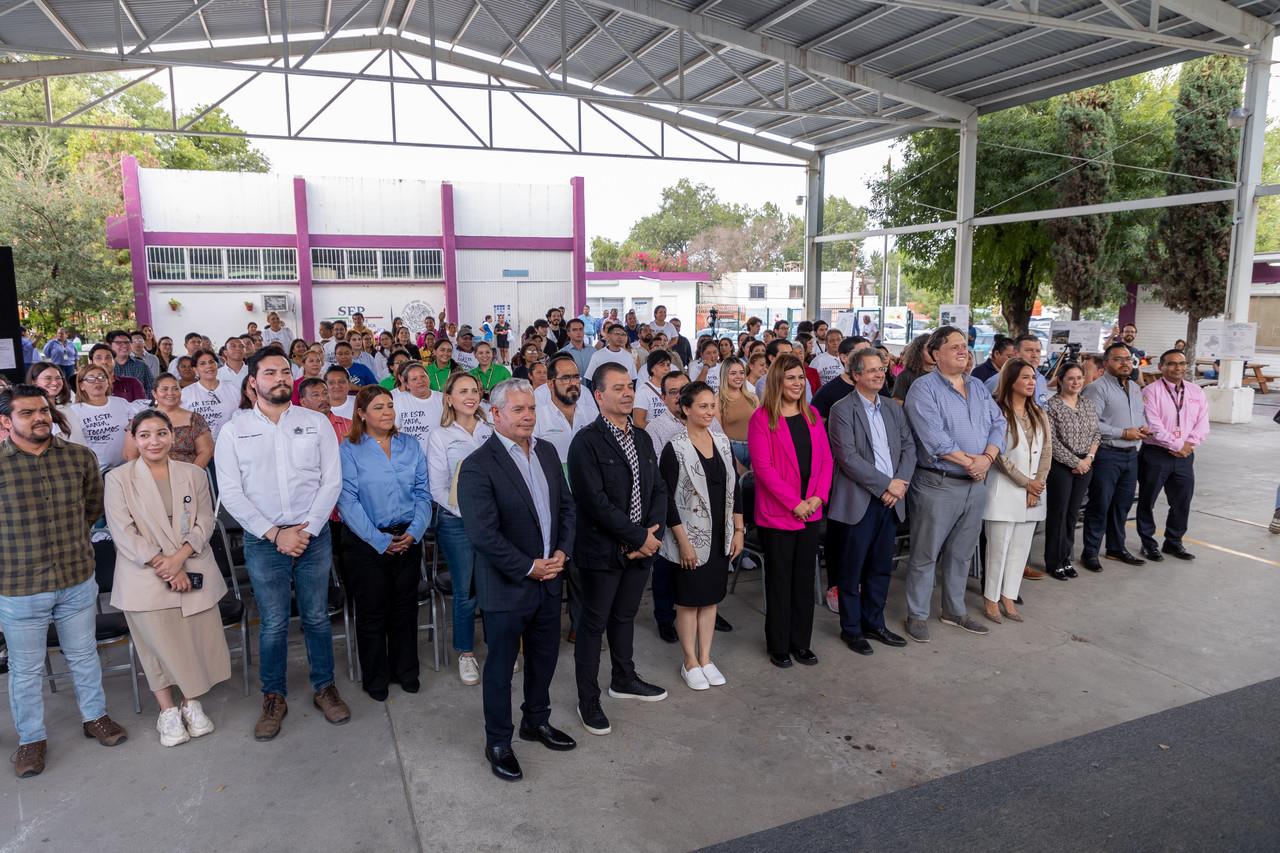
x=770 y=747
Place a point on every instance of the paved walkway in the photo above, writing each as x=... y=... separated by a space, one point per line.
x=772 y=746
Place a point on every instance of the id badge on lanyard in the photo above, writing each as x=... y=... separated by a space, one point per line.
x=185 y=523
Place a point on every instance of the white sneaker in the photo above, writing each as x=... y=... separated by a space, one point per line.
x=713 y=675
x=468 y=669
x=170 y=727
x=198 y=723
x=833 y=600
x=694 y=678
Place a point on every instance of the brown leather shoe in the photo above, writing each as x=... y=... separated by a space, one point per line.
x=332 y=706
x=1031 y=574
x=106 y=730
x=28 y=759
x=273 y=710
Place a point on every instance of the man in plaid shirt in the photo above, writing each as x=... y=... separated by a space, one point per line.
x=50 y=496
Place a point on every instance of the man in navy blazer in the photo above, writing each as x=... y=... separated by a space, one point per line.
x=874 y=455
x=520 y=518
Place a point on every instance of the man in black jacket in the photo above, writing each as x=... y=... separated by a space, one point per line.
x=621 y=500
x=518 y=513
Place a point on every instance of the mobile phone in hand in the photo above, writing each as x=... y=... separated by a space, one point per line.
x=197 y=580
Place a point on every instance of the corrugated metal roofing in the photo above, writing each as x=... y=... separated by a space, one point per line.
x=988 y=64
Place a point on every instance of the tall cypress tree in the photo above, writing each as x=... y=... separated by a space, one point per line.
x=1192 y=243
x=1081 y=275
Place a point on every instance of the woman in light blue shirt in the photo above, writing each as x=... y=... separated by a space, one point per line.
x=385 y=509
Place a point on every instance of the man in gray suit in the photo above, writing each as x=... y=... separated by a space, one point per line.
x=875 y=456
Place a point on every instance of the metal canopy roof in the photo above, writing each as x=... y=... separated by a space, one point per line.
x=796 y=78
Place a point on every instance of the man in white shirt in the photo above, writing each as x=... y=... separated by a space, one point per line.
x=233 y=369
x=562 y=408
x=660 y=323
x=615 y=351
x=828 y=363
x=341 y=400
x=339 y=334
x=215 y=399
x=279 y=476
x=663 y=429
x=464 y=352
x=276 y=332
x=868 y=329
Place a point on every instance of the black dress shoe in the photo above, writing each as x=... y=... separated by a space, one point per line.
x=804 y=656
x=1058 y=573
x=411 y=685
x=780 y=661
x=378 y=694
x=1151 y=554
x=668 y=633
x=549 y=736
x=722 y=624
x=1070 y=570
x=503 y=763
x=1177 y=551
x=1125 y=557
x=857 y=644
x=884 y=635
x=1091 y=563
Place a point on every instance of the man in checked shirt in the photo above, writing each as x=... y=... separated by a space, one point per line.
x=50 y=497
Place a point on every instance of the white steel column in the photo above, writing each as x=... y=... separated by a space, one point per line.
x=1231 y=402
x=966 y=177
x=814 y=202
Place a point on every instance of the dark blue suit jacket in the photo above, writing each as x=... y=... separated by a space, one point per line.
x=502 y=524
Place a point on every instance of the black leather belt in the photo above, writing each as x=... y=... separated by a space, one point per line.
x=397 y=530
x=1119 y=449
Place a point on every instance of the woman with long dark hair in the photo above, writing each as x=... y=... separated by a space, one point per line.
x=916 y=361
x=792 y=463
x=1015 y=489
x=1073 y=422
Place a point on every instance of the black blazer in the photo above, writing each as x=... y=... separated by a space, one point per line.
x=601 y=481
x=502 y=524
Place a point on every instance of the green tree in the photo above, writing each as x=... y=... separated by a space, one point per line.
x=685 y=211
x=54 y=221
x=1269 y=206
x=840 y=216
x=1192 y=243
x=1081 y=277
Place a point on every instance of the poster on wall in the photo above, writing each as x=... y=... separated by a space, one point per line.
x=1220 y=339
x=954 y=315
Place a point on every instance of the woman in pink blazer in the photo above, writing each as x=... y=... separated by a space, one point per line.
x=793 y=479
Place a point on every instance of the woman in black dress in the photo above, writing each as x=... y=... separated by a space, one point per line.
x=704 y=528
x=502 y=334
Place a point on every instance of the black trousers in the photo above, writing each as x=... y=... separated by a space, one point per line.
x=866 y=570
x=1115 y=477
x=1159 y=470
x=610 y=600
x=385 y=590
x=664 y=592
x=833 y=547
x=539 y=627
x=1065 y=492
x=789 y=564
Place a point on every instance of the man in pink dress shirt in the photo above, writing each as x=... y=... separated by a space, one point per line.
x=1178 y=417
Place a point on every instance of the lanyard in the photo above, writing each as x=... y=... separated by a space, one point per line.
x=1178 y=400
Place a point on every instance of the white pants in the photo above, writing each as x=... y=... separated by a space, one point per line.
x=1008 y=547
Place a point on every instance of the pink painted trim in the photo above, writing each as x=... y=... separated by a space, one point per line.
x=450 y=252
x=1264 y=273
x=230 y=240
x=137 y=244
x=359 y=282
x=528 y=244
x=579 y=243
x=632 y=275
x=302 y=239
x=376 y=241
x=117 y=232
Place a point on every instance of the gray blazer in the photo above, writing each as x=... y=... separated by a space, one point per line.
x=857 y=481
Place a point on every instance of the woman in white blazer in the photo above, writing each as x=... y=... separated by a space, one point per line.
x=1015 y=489
x=160 y=515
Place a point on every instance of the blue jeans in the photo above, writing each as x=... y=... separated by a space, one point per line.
x=458 y=552
x=25 y=620
x=741 y=453
x=274 y=576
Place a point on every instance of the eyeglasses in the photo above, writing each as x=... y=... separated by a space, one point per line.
x=94 y=378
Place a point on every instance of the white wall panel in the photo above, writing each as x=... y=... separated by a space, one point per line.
x=216 y=310
x=373 y=206
x=513 y=210
x=1158 y=327
x=489 y=264
x=241 y=203
x=379 y=303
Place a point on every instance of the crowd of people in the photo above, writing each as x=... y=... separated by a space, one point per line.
x=597 y=458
